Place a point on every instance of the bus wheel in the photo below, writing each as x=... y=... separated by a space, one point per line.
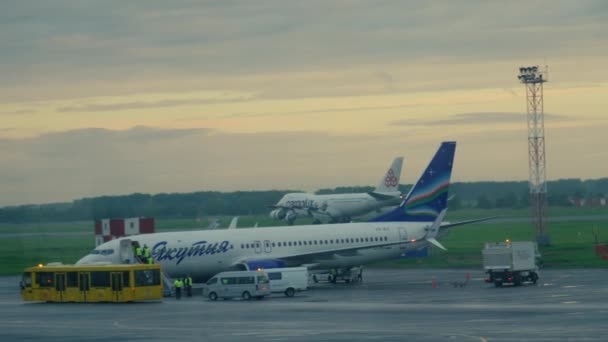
x=290 y=292
x=213 y=296
x=246 y=295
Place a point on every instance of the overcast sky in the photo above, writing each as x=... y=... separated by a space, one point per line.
x=114 y=97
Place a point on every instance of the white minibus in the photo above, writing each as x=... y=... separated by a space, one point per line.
x=244 y=284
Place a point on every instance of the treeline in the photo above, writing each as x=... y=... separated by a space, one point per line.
x=483 y=195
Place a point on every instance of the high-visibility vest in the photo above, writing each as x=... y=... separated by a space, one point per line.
x=188 y=281
x=146 y=252
x=150 y=260
x=138 y=251
x=178 y=283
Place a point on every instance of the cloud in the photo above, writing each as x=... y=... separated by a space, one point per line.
x=510 y=92
x=62 y=166
x=88 y=162
x=328 y=110
x=19 y=112
x=147 y=105
x=478 y=118
x=206 y=40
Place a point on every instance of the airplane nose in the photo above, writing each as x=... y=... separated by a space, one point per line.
x=85 y=260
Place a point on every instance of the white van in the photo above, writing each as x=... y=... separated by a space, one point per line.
x=288 y=280
x=244 y=284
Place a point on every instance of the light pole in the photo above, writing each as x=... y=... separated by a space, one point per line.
x=533 y=78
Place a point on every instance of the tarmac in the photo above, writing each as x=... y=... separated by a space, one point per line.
x=390 y=305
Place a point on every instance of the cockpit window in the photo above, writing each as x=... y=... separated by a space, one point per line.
x=102 y=252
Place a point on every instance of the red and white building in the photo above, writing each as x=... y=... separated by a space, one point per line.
x=589 y=202
x=109 y=229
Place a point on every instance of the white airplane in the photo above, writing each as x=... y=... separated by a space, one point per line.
x=341 y=207
x=201 y=254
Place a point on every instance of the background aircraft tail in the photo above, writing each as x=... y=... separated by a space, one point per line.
x=390 y=180
x=429 y=196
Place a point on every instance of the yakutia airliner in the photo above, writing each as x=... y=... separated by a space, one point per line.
x=202 y=254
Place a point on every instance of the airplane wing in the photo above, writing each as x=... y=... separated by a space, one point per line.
x=450 y=225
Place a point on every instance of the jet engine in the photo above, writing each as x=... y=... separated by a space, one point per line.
x=263 y=264
x=277 y=214
x=290 y=216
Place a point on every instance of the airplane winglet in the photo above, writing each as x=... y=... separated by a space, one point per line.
x=433 y=230
x=436 y=243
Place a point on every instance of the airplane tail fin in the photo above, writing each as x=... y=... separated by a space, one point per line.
x=233 y=222
x=390 y=180
x=429 y=196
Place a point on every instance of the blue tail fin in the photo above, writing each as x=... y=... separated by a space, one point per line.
x=429 y=196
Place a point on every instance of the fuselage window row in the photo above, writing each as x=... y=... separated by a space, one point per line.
x=316 y=242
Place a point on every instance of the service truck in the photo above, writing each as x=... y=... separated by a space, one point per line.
x=351 y=275
x=511 y=262
x=288 y=280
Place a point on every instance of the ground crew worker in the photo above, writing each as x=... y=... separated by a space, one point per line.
x=332 y=275
x=188 y=285
x=150 y=260
x=138 y=254
x=146 y=252
x=178 y=283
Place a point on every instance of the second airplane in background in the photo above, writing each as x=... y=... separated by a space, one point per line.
x=335 y=208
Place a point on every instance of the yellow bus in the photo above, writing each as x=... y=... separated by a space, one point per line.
x=92 y=283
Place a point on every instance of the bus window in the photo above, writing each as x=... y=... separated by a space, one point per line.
x=45 y=279
x=72 y=280
x=212 y=281
x=246 y=280
x=125 y=279
x=147 y=277
x=262 y=279
x=100 y=279
x=229 y=281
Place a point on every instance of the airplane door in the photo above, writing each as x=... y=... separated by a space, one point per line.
x=402 y=237
x=267 y=247
x=84 y=284
x=258 y=247
x=125 y=252
x=117 y=285
x=60 y=286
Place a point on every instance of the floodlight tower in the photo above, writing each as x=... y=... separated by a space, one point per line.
x=533 y=79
